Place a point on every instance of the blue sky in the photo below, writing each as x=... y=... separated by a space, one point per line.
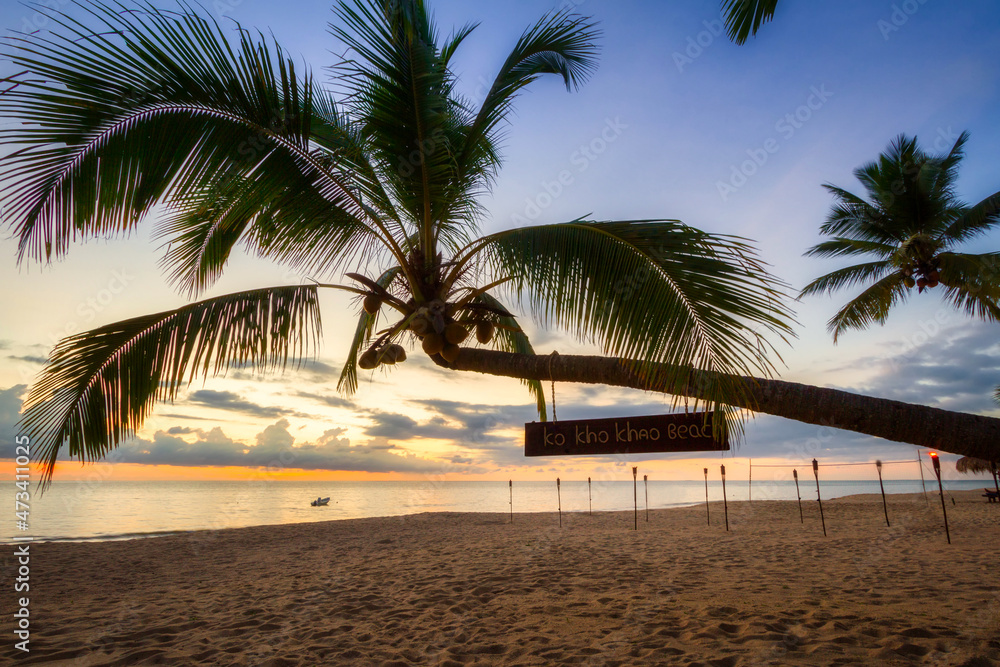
x=677 y=122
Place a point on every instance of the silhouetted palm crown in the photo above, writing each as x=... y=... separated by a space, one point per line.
x=910 y=224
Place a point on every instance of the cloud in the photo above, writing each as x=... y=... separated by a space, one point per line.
x=331 y=400
x=228 y=400
x=309 y=371
x=275 y=448
x=180 y=415
x=31 y=359
x=10 y=409
x=392 y=425
x=210 y=448
x=955 y=369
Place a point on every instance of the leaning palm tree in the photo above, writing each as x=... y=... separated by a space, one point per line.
x=373 y=190
x=909 y=227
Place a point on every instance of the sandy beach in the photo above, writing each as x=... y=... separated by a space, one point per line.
x=473 y=589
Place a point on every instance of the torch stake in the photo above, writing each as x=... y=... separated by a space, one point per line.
x=878 y=466
x=937 y=472
x=795 y=474
x=708 y=512
x=559 y=496
x=645 y=484
x=818 y=497
x=725 y=503
x=510 y=485
x=635 y=494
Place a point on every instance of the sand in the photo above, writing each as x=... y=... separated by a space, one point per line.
x=471 y=589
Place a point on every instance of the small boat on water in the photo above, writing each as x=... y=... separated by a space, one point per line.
x=320 y=502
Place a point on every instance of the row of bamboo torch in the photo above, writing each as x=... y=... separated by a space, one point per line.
x=725 y=503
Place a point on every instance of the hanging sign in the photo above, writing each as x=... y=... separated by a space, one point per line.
x=623 y=435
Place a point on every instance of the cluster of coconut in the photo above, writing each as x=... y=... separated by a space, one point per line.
x=928 y=279
x=387 y=354
x=441 y=334
x=435 y=325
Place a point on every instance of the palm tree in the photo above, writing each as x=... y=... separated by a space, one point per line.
x=151 y=107
x=909 y=226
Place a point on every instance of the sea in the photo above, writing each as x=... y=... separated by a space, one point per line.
x=116 y=510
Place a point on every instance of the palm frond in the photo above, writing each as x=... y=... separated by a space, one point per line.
x=402 y=90
x=509 y=337
x=100 y=385
x=562 y=44
x=871 y=306
x=847 y=277
x=367 y=322
x=744 y=18
x=839 y=246
x=974 y=220
x=149 y=107
x=972 y=283
x=650 y=291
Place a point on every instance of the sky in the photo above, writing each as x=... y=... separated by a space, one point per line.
x=677 y=122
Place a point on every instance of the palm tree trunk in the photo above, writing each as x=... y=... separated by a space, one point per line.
x=956 y=432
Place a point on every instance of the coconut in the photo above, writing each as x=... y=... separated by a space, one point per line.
x=420 y=326
x=397 y=353
x=455 y=333
x=368 y=360
x=450 y=352
x=433 y=343
x=909 y=281
x=372 y=303
x=932 y=282
x=484 y=332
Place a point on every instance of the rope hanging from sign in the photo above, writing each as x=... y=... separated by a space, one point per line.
x=553 y=380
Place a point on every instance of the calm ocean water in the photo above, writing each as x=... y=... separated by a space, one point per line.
x=119 y=510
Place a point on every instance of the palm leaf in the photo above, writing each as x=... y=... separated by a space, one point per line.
x=744 y=18
x=972 y=283
x=100 y=385
x=560 y=43
x=652 y=290
x=871 y=306
x=839 y=246
x=348 y=382
x=975 y=220
x=152 y=107
x=847 y=277
x=509 y=337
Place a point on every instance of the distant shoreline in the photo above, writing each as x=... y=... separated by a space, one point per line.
x=808 y=497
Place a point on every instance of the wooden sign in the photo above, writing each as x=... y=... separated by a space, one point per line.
x=623 y=435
